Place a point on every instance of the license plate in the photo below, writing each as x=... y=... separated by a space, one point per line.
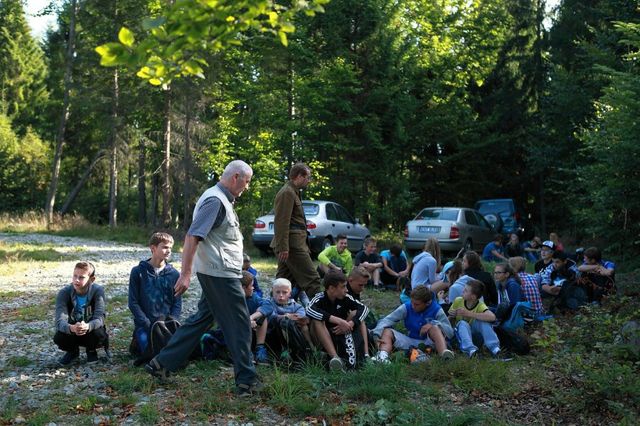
x=271 y=226
x=429 y=229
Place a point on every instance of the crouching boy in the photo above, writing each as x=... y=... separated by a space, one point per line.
x=152 y=295
x=337 y=323
x=425 y=321
x=288 y=325
x=80 y=312
x=474 y=321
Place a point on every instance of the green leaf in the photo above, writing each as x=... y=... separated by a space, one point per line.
x=151 y=23
x=283 y=38
x=126 y=37
x=111 y=54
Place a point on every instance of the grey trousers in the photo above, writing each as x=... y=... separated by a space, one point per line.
x=223 y=300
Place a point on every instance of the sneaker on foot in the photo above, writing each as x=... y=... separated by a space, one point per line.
x=335 y=364
x=498 y=356
x=381 y=359
x=154 y=368
x=68 y=358
x=262 y=357
x=447 y=354
x=243 y=391
x=92 y=356
x=473 y=354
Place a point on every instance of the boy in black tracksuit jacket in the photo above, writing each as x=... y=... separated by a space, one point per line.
x=337 y=322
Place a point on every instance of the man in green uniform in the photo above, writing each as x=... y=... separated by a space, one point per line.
x=290 y=233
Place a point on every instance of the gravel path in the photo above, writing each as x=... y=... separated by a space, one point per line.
x=29 y=378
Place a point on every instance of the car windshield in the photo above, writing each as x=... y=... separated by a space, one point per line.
x=311 y=209
x=441 y=214
x=503 y=208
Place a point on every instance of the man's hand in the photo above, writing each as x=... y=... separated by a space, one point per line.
x=254 y=324
x=292 y=317
x=343 y=327
x=403 y=273
x=283 y=256
x=182 y=284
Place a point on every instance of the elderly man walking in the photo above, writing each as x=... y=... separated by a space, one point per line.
x=214 y=244
x=290 y=233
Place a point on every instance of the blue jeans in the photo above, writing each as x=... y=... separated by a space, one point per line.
x=479 y=332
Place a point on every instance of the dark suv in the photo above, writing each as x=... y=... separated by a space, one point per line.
x=507 y=217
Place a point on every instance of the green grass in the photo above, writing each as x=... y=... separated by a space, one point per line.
x=19 y=361
x=127 y=382
x=8 y=295
x=149 y=414
x=34 y=312
x=17 y=252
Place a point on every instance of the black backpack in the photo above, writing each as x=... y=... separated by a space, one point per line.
x=159 y=335
x=513 y=341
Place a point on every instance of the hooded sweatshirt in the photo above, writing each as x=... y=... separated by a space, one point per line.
x=151 y=294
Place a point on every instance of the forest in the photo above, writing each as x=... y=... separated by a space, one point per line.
x=396 y=105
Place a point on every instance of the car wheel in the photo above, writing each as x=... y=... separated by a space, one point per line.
x=327 y=242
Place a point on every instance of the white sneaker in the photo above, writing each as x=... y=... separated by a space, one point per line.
x=381 y=359
x=335 y=364
x=447 y=354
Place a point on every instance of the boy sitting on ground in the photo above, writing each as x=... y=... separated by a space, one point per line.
x=80 y=313
x=395 y=267
x=259 y=311
x=370 y=260
x=597 y=275
x=474 y=321
x=287 y=320
x=151 y=292
x=426 y=324
x=337 y=322
x=335 y=258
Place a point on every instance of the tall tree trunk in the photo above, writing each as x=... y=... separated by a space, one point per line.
x=155 y=182
x=187 y=163
x=64 y=116
x=142 y=195
x=291 y=112
x=83 y=179
x=113 y=175
x=166 y=169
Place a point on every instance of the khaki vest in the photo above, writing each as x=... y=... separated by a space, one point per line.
x=220 y=253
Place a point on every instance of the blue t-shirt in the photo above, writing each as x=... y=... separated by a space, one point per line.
x=488 y=256
x=78 y=311
x=396 y=263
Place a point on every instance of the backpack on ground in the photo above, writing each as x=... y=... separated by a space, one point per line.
x=213 y=346
x=160 y=333
x=514 y=341
x=287 y=336
x=516 y=320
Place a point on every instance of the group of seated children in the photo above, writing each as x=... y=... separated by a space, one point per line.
x=335 y=320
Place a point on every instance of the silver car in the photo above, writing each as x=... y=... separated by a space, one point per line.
x=453 y=227
x=325 y=221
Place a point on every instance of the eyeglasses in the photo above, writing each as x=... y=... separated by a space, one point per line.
x=498 y=272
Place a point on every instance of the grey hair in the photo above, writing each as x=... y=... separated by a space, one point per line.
x=236 y=166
